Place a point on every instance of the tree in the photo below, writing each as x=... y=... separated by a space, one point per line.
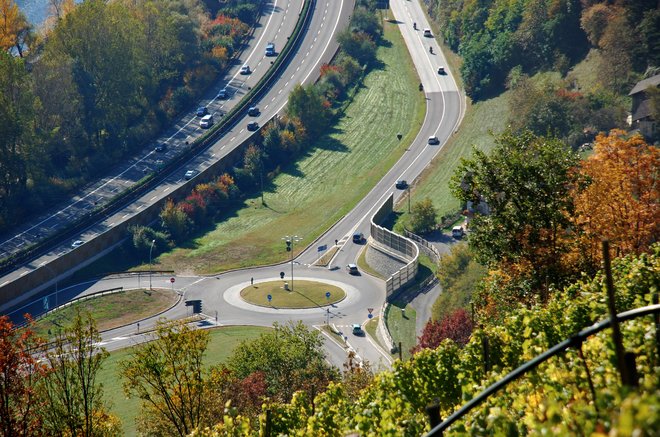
x=75 y=404
x=14 y=28
x=617 y=197
x=291 y=357
x=524 y=184
x=308 y=105
x=20 y=375
x=423 y=216
x=456 y=326
x=175 y=221
x=167 y=375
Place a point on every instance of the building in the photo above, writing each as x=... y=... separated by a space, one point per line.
x=642 y=117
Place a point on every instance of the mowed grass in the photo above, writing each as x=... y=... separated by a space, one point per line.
x=402 y=326
x=305 y=294
x=223 y=342
x=111 y=310
x=317 y=190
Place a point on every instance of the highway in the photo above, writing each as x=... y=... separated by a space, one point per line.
x=445 y=108
x=317 y=47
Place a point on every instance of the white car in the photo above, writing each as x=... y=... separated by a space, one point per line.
x=77 y=243
x=189 y=174
x=245 y=69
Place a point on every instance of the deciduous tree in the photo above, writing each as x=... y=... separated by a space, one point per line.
x=423 y=216
x=75 y=403
x=617 y=197
x=167 y=375
x=20 y=374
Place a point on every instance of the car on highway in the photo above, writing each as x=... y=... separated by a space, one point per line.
x=357 y=329
x=202 y=111
x=352 y=269
x=77 y=243
x=358 y=237
x=189 y=174
x=223 y=94
x=433 y=140
x=161 y=147
x=253 y=111
x=206 y=121
x=253 y=126
x=427 y=33
x=270 y=49
x=441 y=70
x=245 y=69
x=401 y=184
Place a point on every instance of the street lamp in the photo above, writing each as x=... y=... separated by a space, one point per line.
x=150 y=249
x=289 y=248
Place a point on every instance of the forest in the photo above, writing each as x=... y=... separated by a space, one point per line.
x=97 y=83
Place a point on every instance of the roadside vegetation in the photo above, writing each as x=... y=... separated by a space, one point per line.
x=125 y=70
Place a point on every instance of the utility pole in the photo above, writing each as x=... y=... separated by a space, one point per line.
x=150 y=249
x=290 y=240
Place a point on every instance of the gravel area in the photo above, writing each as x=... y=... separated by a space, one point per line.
x=383 y=263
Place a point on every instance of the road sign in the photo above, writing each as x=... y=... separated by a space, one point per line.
x=370 y=316
x=322 y=248
x=172 y=280
x=327 y=294
x=371 y=310
x=270 y=297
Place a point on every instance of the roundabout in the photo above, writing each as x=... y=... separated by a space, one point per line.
x=282 y=294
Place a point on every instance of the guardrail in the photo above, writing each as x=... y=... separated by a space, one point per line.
x=149 y=181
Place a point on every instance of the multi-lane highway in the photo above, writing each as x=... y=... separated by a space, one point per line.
x=280 y=16
x=445 y=107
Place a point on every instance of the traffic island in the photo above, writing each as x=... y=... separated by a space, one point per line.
x=301 y=294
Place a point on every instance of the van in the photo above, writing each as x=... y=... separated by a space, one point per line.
x=270 y=49
x=206 y=121
x=457 y=232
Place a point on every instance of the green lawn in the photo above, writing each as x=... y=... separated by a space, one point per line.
x=305 y=294
x=312 y=194
x=110 y=311
x=402 y=326
x=223 y=341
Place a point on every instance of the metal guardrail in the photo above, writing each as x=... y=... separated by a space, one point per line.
x=148 y=182
x=574 y=341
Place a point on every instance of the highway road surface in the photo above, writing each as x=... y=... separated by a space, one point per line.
x=445 y=108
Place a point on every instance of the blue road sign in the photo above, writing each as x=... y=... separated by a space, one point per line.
x=327 y=294
x=270 y=297
x=370 y=316
x=322 y=248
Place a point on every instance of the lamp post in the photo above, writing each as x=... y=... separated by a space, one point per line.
x=289 y=248
x=150 y=249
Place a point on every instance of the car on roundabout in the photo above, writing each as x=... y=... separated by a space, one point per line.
x=352 y=269
x=357 y=329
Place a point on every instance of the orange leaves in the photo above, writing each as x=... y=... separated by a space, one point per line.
x=620 y=201
x=10 y=20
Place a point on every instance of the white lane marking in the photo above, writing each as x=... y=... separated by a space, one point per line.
x=4 y=283
x=23 y=274
x=111 y=224
x=152 y=198
x=124 y=216
x=166 y=189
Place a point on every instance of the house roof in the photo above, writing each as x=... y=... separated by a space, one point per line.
x=643 y=111
x=644 y=84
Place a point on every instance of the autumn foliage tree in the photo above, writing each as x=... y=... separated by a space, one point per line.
x=617 y=197
x=20 y=373
x=457 y=326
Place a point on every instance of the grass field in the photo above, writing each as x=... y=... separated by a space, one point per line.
x=402 y=326
x=223 y=341
x=305 y=294
x=312 y=194
x=111 y=310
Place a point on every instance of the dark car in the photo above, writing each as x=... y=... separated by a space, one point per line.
x=434 y=140
x=202 y=111
x=161 y=147
x=352 y=269
x=401 y=184
x=253 y=111
x=252 y=126
x=357 y=329
x=358 y=237
x=223 y=94
x=441 y=70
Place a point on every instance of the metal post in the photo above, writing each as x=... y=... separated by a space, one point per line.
x=408 y=190
x=400 y=353
x=433 y=411
x=150 y=268
x=616 y=331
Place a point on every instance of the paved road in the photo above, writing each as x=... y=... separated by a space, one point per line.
x=318 y=46
x=444 y=112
